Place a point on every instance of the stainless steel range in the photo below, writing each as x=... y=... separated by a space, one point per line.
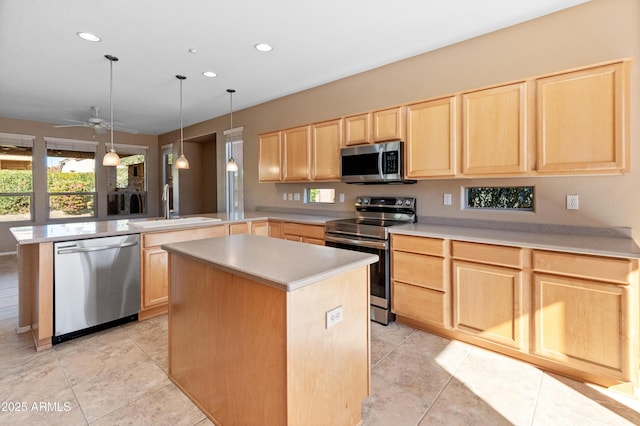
x=369 y=232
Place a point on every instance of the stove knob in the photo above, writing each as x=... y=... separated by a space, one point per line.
x=398 y=202
x=366 y=201
x=359 y=200
x=407 y=203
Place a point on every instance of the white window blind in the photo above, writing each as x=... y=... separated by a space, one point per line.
x=131 y=149
x=16 y=140
x=71 y=144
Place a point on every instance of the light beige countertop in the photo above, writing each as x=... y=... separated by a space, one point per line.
x=287 y=265
x=93 y=229
x=570 y=242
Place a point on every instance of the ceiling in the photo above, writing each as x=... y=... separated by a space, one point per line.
x=49 y=74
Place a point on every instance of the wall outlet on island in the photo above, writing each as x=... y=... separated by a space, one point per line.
x=284 y=196
x=572 y=202
x=333 y=317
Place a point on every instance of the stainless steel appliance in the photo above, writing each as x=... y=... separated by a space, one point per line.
x=369 y=232
x=96 y=284
x=374 y=163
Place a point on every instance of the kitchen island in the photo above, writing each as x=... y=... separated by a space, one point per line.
x=268 y=331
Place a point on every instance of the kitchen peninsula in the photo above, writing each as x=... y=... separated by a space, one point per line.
x=268 y=331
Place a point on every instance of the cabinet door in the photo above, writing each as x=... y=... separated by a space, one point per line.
x=488 y=303
x=269 y=167
x=275 y=229
x=326 y=140
x=418 y=303
x=419 y=270
x=494 y=131
x=357 y=129
x=388 y=124
x=296 y=152
x=260 y=228
x=154 y=271
x=238 y=228
x=582 y=324
x=583 y=121
x=431 y=138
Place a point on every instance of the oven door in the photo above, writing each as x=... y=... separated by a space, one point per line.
x=379 y=271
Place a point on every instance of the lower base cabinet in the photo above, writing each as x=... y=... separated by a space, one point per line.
x=312 y=234
x=575 y=314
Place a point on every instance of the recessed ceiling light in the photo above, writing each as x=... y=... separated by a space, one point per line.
x=209 y=74
x=193 y=51
x=263 y=47
x=88 y=36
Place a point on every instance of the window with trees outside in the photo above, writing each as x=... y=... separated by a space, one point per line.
x=71 y=178
x=16 y=177
x=518 y=198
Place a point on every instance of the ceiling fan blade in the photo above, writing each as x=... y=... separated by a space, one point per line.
x=124 y=129
x=73 y=125
x=75 y=121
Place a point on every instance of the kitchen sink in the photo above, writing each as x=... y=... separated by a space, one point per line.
x=168 y=223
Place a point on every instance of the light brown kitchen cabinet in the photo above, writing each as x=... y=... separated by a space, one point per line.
x=420 y=279
x=296 y=151
x=326 y=140
x=305 y=233
x=583 y=311
x=275 y=228
x=154 y=279
x=494 y=131
x=490 y=298
x=583 y=121
x=270 y=162
x=357 y=129
x=431 y=138
x=239 y=228
x=260 y=227
x=388 y=124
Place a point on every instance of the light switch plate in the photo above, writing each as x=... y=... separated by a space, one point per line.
x=446 y=199
x=284 y=196
x=296 y=196
x=572 y=202
x=341 y=197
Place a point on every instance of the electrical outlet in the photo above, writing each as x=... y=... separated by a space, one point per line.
x=447 y=199
x=290 y=196
x=572 y=202
x=333 y=317
x=296 y=196
x=341 y=197
x=284 y=196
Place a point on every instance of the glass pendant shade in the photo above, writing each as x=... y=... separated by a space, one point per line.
x=232 y=166
x=111 y=158
x=182 y=162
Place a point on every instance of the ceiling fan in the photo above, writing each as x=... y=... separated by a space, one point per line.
x=98 y=124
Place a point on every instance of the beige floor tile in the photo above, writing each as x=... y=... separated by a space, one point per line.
x=564 y=401
x=407 y=381
x=166 y=406
x=509 y=386
x=107 y=371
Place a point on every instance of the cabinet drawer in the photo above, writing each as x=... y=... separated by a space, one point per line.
x=418 y=269
x=159 y=238
x=311 y=231
x=487 y=253
x=418 y=303
x=424 y=245
x=583 y=266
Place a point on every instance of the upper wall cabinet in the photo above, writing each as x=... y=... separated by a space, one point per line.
x=357 y=129
x=269 y=168
x=296 y=150
x=388 y=124
x=431 y=138
x=494 y=131
x=326 y=141
x=582 y=121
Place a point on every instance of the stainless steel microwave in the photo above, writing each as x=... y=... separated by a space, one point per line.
x=375 y=163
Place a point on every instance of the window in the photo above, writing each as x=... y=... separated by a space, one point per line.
x=16 y=177
x=318 y=195
x=500 y=198
x=234 y=148
x=71 y=178
x=126 y=183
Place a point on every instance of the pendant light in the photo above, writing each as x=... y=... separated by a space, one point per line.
x=111 y=158
x=232 y=166
x=181 y=162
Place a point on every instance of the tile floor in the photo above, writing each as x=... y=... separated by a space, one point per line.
x=119 y=376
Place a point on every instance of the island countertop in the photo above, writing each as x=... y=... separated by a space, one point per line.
x=283 y=264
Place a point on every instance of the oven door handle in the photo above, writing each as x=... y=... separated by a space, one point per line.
x=381 y=245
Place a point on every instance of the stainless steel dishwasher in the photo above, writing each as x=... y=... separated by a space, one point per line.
x=96 y=284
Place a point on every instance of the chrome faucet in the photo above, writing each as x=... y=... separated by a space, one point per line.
x=165 y=198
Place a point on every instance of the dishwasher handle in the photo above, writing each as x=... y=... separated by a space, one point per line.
x=76 y=249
